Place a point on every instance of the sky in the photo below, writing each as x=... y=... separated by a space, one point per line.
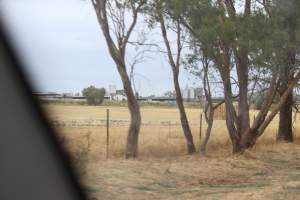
x=63 y=49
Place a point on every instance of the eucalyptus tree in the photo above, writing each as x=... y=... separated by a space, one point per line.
x=285 y=18
x=199 y=65
x=207 y=75
x=238 y=39
x=172 y=24
x=286 y=15
x=117 y=19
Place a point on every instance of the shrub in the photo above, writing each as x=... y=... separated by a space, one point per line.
x=93 y=95
x=258 y=101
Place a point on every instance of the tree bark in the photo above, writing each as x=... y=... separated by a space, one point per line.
x=242 y=122
x=175 y=66
x=249 y=139
x=210 y=121
x=209 y=109
x=118 y=55
x=183 y=118
x=243 y=106
x=231 y=117
x=285 y=131
x=135 y=116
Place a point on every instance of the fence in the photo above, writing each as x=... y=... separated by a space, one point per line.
x=157 y=137
x=109 y=134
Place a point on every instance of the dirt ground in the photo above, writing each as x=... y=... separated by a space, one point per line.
x=269 y=173
x=163 y=171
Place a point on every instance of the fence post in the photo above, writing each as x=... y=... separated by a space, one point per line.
x=200 y=129
x=107 y=133
x=169 y=129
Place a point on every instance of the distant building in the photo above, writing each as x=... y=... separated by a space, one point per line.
x=120 y=92
x=120 y=97
x=52 y=96
x=153 y=99
x=48 y=95
x=185 y=93
x=192 y=94
x=164 y=99
x=112 y=89
x=68 y=95
x=199 y=93
x=113 y=94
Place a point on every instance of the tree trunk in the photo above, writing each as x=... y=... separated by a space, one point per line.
x=231 y=118
x=183 y=118
x=118 y=55
x=243 y=106
x=135 y=115
x=175 y=65
x=285 y=131
x=250 y=137
x=210 y=122
x=209 y=110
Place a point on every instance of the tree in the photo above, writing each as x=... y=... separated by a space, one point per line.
x=93 y=95
x=174 y=59
x=199 y=65
x=238 y=40
x=113 y=17
x=247 y=136
x=285 y=16
x=288 y=21
x=209 y=108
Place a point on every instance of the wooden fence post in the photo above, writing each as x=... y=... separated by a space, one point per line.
x=107 y=133
x=169 y=133
x=169 y=129
x=200 y=129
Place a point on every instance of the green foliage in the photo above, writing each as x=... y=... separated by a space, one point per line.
x=258 y=101
x=264 y=37
x=93 y=95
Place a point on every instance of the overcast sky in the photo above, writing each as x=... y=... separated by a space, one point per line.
x=63 y=49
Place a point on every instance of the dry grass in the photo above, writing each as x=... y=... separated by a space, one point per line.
x=163 y=171
x=268 y=174
x=161 y=134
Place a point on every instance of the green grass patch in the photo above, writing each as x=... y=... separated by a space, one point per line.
x=144 y=188
x=167 y=185
x=177 y=193
x=203 y=194
x=217 y=195
x=90 y=189
x=292 y=190
x=294 y=177
x=240 y=186
x=196 y=192
x=181 y=192
x=157 y=186
x=277 y=161
x=260 y=174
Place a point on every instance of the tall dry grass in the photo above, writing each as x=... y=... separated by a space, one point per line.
x=160 y=136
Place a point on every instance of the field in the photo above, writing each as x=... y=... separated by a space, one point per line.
x=163 y=170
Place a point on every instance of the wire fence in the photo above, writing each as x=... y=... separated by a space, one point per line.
x=109 y=134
